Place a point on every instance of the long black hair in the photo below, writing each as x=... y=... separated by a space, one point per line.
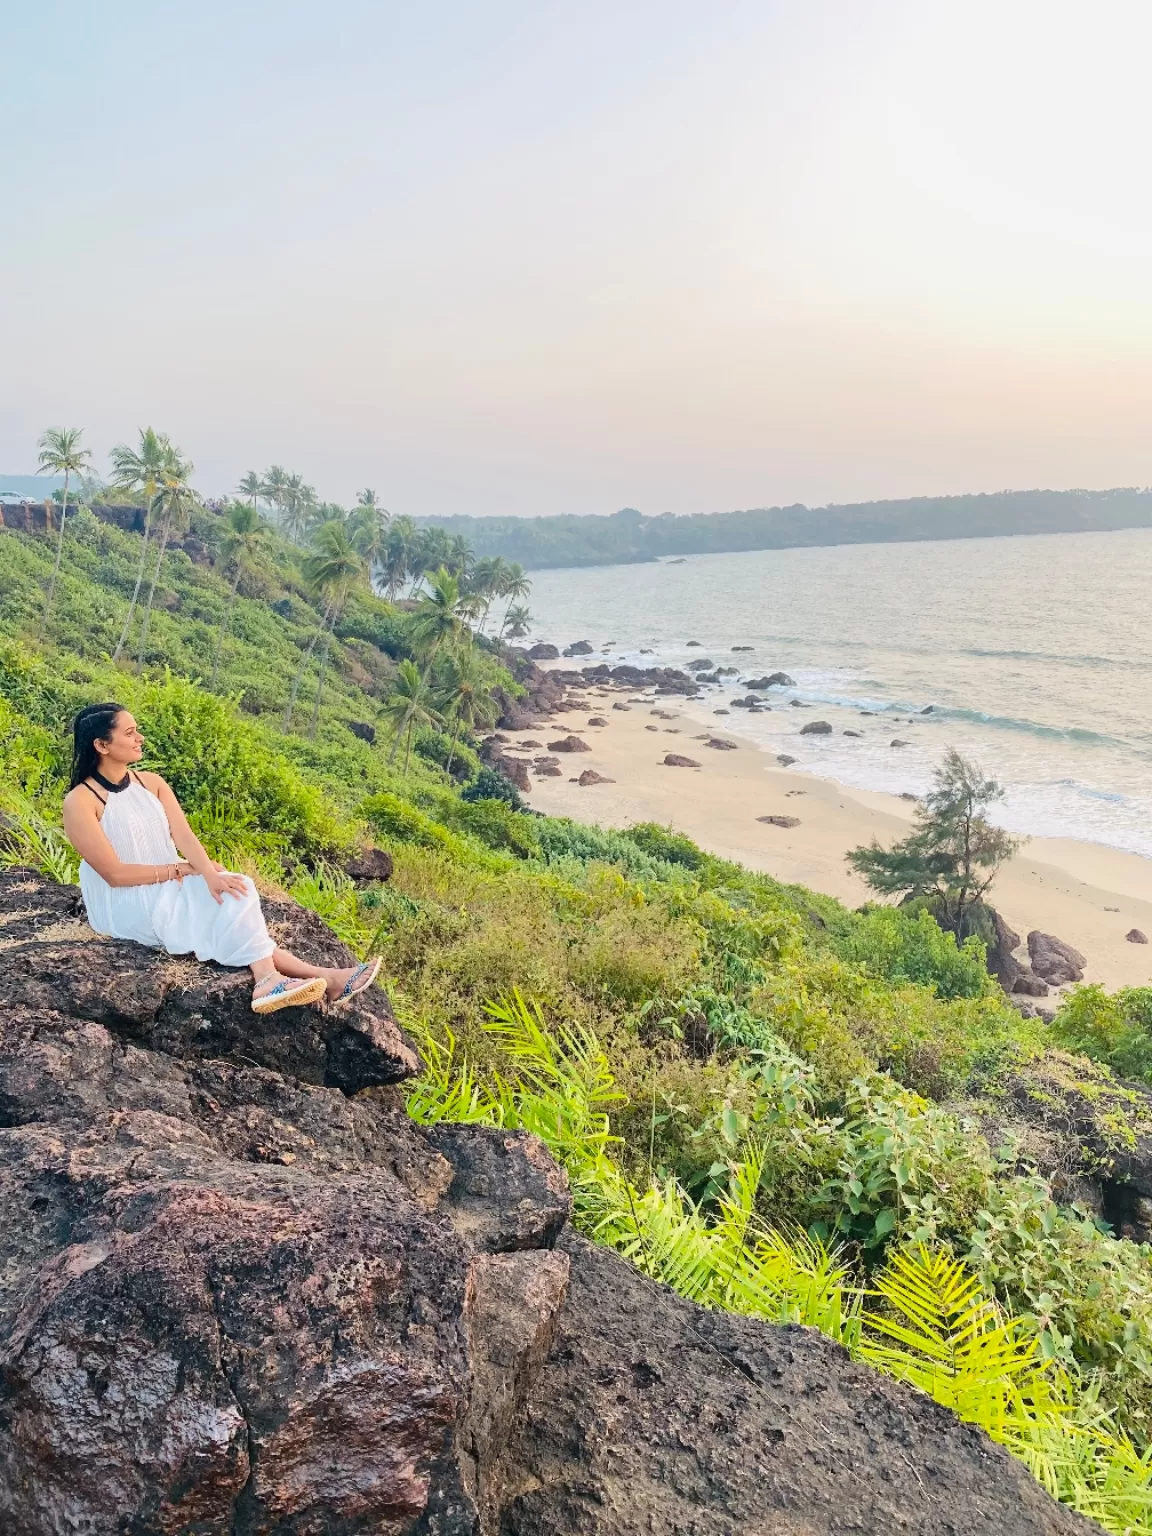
x=91 y=725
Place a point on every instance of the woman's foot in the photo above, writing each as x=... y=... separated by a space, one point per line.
x=344 y=985
x=274 y=992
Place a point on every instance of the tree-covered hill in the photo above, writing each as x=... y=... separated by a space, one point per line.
x=539 y=542
x=773 y=1104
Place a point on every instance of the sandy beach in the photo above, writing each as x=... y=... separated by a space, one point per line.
x=1084 y=893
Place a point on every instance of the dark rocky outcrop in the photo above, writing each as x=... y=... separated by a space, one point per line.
x=653 y=1418
x=784 y=760
x=676 y=760
x=240 y=1301
x=369 y=865
x=363 y=730
x=771 y=680
x=779 y=821
x=569 y=744
x=54 y=962
x=1053 y=960
x=1088 y=1131
x=719 y=745
x=816 y=728
x=542 y=651
x=578 y=648
x=590 y=776
x=1134 y=936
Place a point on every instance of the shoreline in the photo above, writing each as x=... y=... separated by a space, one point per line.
x=1058 y=885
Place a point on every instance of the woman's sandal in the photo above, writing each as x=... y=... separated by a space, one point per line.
x=359 y=981
x=290 y=994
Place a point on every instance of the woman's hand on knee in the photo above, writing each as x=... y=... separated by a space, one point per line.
x=221 y=883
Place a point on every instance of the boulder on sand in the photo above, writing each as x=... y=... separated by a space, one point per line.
x=784 y=760
x=590 y=776
x=1054 y=960
x=1134 y=936
x=720 y=746
x=896 y=742
x=569 y=744
x=779 y=821
x=816 y=728
x=674 y=760
x=597 y=720
x=623 y=708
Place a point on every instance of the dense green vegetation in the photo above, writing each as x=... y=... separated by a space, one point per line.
x=755 y=1091
x=628 y=535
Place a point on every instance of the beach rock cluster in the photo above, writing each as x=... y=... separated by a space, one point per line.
x=241 y=1292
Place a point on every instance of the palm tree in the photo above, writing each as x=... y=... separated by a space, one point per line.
x=516 y=584
x=438 y=620
x=175 y=500
x=297 y=507
x=273 y=487
x=395 y=558
x=60 y=454
x=242 y=545
x=519 y=622
x=252 y=487
x=408 y=707
x=369 y=499
x=368 y=526
x=139 y=471
x=466 y=697
x=331 y=570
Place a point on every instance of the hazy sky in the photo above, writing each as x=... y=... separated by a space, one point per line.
x=535 y=258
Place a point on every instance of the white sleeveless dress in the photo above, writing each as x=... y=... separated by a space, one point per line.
x=176 y=915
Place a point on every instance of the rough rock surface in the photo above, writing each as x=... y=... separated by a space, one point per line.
x=569 y=744
x=1053 y=960
x=677 y=760
x=1090 y=1132
x=651 y=1416
x=241 y=1298
x=816 y=728
x=779 y=821
x=53 y=961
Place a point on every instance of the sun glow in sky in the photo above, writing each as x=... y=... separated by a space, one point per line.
x=564 y=257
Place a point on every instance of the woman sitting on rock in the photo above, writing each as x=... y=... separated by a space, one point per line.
x=127 y=828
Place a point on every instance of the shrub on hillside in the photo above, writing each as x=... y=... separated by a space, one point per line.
x=490 y=785
x=1113 y=1028
x=905 y=947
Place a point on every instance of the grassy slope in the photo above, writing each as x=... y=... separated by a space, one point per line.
x=735 y=1015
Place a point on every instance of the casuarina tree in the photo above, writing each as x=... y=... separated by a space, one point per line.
x=952 y=856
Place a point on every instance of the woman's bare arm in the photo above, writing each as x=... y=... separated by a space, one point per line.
x=218 y=880
x=83 y=830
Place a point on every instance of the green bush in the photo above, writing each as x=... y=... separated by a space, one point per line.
x=901 y=948
x=1112 y=1028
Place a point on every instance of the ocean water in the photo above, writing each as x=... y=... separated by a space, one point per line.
x=1035 y=653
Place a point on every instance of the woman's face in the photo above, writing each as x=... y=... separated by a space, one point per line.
x=124 y=743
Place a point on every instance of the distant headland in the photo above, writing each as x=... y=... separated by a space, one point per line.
x=628 y=536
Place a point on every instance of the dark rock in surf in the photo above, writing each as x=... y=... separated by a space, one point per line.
x=542 y=651
x=816 y=728
x=579 y=648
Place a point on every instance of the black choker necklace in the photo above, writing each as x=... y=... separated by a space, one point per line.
x=113 y=789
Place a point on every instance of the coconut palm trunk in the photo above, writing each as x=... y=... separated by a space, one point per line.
x=56 y=568
x=165 y=532
x=123 y=640
x=225 y=626
x=286 y=724
x=452 y=748
x=336 y=609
